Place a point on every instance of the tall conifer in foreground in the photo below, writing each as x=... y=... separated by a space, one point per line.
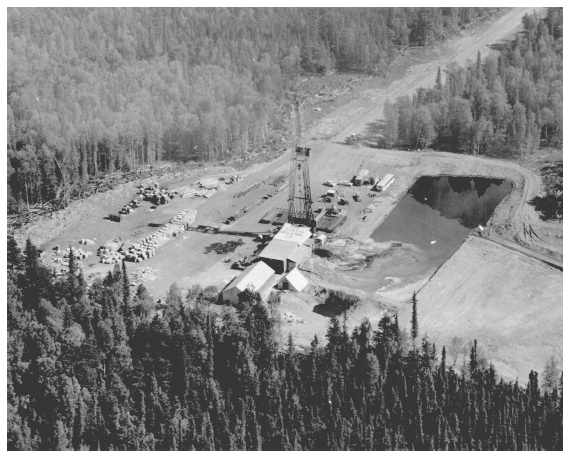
x=414 y=318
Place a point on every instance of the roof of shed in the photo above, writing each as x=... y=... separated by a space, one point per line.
x=255 y=275
x=291 y=233
x=296 y=278
x=299 y=254
x=278 y=249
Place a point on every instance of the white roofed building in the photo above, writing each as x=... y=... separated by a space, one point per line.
x=293 y=281
x=287 y=250
x=257 y=277
x=296 y=234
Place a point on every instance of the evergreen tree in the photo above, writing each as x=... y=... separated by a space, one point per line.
x=187 y=380
x=414 y=318
x=14 y=255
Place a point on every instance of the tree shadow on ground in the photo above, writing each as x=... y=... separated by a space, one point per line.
x=499 y=46
x=223 y=248
x=549 y=207
x=336 y=303
x=374 y=135
x=328 y=311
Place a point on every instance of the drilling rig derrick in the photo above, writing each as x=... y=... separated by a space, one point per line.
x=300 y=202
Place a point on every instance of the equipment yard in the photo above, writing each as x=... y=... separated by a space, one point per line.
x=505 y=297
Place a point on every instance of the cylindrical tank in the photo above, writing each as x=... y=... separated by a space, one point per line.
x=372 y=180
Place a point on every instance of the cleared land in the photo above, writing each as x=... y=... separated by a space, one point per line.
x=511 y=304
x=472 y=296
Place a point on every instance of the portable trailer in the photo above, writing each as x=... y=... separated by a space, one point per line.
x=386 y=182
x=358 y=179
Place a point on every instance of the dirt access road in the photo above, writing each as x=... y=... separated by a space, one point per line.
x=424 y=75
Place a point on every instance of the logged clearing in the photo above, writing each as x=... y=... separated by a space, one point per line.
x=509 y=300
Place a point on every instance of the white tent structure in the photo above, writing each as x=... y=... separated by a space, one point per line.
x=293 y=281
x=256 y=277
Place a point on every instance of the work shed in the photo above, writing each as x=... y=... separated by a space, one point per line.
x=257 y=277
x=284 y=256
x=293 y=281
x=287 y=249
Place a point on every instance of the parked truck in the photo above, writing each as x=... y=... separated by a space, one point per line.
x=358 y=179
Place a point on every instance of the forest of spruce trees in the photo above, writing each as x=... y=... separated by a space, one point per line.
x=101 y=368
x=507 y=104
x=94 y=90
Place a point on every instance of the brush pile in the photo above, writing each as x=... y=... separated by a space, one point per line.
x=156 y=195
x=142 y=275
x=131 y=206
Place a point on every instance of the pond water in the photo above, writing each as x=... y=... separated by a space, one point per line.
x=431 y=222
x=442 y=210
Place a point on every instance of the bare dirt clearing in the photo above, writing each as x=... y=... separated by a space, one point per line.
x=512 y=305
x=476 y=286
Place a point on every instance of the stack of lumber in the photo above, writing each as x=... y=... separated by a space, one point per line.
x=77 y=253
x=210 y=183
x=108 y=256
x=146 y=248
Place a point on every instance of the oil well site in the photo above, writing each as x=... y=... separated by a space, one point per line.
x=375 y=224
x=335 y=213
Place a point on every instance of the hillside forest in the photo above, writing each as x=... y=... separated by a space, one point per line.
x=108 y=369
x=95 y=90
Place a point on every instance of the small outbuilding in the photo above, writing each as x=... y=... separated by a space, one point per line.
x=293 y=281
x=257 y=277
x=321 y=240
